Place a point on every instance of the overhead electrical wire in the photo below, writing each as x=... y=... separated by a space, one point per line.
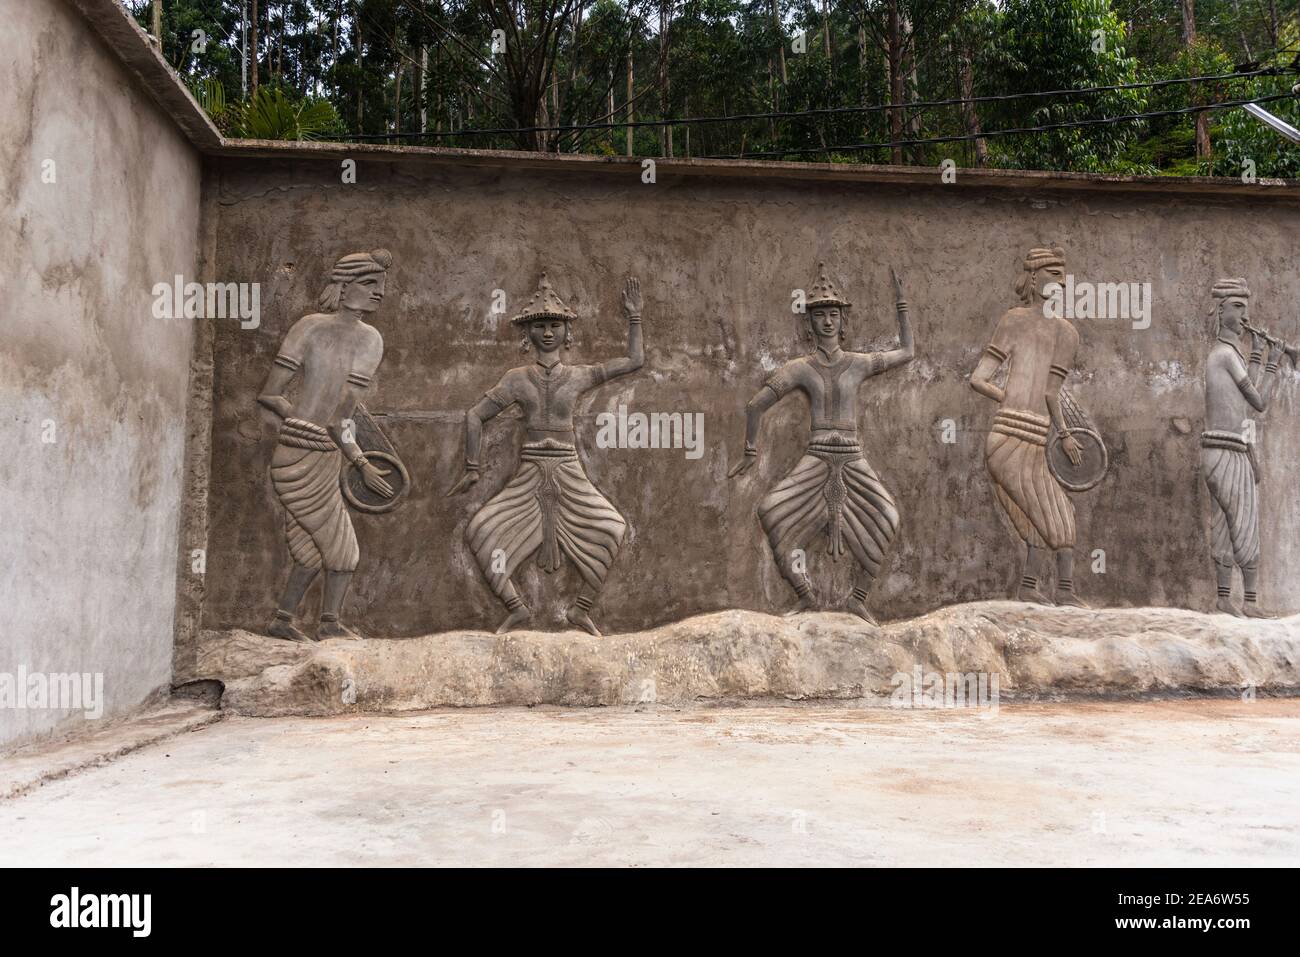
x=833 y=110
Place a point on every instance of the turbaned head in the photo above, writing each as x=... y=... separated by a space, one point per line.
x=364 y=269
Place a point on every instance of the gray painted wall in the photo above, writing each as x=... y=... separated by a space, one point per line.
x=718 y=259
x=88 y=522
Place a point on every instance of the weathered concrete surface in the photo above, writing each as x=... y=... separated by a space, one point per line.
x=742 y=656
x=93 y=387
x=1187 y=783
x=34 y=766
x=718 y=257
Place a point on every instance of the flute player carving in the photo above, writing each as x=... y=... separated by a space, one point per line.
x=832 y=488
x=336 y=353
x=550 y=507
x=1233 y=389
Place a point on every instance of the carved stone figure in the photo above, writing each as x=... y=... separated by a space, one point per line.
x=549 y=508
x=1233 y=388
x=832 y=488
x=336 y=353
x=1039 y=352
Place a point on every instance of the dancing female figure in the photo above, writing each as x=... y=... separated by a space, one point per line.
x=549 y=508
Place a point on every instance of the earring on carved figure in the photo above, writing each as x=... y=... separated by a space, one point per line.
x=832 y=490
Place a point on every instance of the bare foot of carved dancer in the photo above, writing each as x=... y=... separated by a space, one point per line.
x=1065 y=594
x=807 y=597
x=282 y=626
x=859 y=608
x=1029 y=592
x=579 y=614
x=333 y=628
x=519 y=613
x=1251 y=609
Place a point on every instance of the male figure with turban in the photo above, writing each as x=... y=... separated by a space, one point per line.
x=832 y=488
x=1234 y=387
x=549 y=508
x=1039 y=351
x=336 y=353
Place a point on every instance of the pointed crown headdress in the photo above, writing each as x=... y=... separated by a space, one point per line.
x=545 y=304
x=824 y=293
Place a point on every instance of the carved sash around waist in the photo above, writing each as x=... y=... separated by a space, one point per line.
x=827 y=448
x=1224 y=440
x=548 y=451
x=1027 y=426
x=301 y=434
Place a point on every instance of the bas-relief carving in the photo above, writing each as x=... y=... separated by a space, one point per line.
x=549 y=508
x=380 y=453
x=334 y=353
x=832 y=489
x=331 y=454
x=1234 y=389
x=1035 y=413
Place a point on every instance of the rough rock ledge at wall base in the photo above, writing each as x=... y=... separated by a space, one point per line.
x=1037 y=653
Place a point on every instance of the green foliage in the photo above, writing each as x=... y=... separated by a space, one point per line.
x=211 y=95
x=1056 y=45
x=381 y=67
x=272 y=115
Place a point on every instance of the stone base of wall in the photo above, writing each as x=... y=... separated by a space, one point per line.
x=735 y=656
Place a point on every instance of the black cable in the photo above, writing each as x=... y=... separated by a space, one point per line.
x=965 y=137
x=824 y=111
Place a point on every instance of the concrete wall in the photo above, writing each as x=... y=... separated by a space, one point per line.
x=718 y=258
x=92 y=387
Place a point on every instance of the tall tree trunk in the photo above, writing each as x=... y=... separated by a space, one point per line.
x=361 y=67
x=910 y=84
x=1241 y=31
x=771 y=101
x=862 y=75
x=252 y=51
x=780 y=42
x=397 y=95
x=422 y=61
x=894 y=58
x=278 y=73
x=666 y=134
x=686 y=105
x=553 y=137
x=630 y=130
x=826 y=27
x=970 y=115
x=1202 y=118
x=157 y=23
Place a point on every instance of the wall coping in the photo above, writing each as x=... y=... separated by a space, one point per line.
x=133 y=47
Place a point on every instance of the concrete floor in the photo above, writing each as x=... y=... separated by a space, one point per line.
x=1190 y=782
